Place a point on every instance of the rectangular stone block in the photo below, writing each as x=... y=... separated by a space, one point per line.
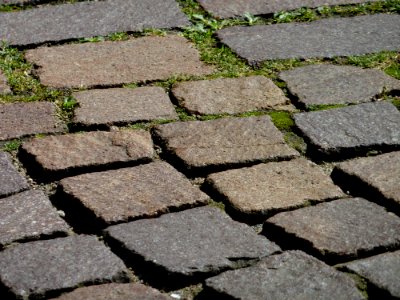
x=11 y=181
x=22 y=119
x=202 y=145
x=87 y=19
x=323 y=38
x=114 y=63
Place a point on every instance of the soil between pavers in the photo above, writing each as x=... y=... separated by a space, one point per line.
x=11 y=181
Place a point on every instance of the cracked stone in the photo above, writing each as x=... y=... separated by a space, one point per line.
x=11 y=181
x=112 y=63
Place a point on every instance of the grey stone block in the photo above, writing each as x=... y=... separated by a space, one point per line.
x=10 y=180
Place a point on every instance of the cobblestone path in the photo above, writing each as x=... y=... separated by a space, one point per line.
x=166 y=149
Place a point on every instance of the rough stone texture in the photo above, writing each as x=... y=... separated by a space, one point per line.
x=324 y=38
x=272 y=187
x=4 y=88
x=10 y=180
x=341 y=228
x=111 y=63
x=352 y=128
x=224 y=141
x=330 y=84
x=230 y=95
x=58 y=264
x=290 y=275
x=381 y=172
x=122 y=194
x=115 y=291
x=87 y=19
x=28 y=215
x=72 y=151
x=115 y=106
x=237 y=8
x=193 y=242
x=22 y=119
x=381 y=270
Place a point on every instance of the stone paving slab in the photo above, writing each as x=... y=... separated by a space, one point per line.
x=380 y=173
x=122 y=105
x=114 y=63
x=58 y=264
x=382 y=271
x=4 y=87
x=324 y=38
x=29 y=215
x=345 y=131
x=224 y=142
x=237 y=8
x=290 y=275
x=115 y=291
x=87 y=19
x=230 y=95
x=142 y=191
x=11 y=181
x=22 y=119
x=330 y=84
x=265 y=189
x=195 y=242
x=67 y=154
x=339 y=230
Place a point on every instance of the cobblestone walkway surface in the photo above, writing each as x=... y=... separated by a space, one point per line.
x=199 y=149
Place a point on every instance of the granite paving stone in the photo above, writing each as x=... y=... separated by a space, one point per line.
x=122 y=105
x=339 y=230
x=22 y=119
x=4 y=87
x=268 y=188
x=115 y=291
x=230 y=95
x=330 y=84
x=381 y=270
x=324 y=38
x=56 y=155
x=141 y=191
x=237 y=8
x=290 y=275
x=11 y=181
x=381 y=173
x=345 y=131
x=87 y=19
x=29 y=215
x=58 y=264
x=224 y=142
x=114 y=63
x=191 y=243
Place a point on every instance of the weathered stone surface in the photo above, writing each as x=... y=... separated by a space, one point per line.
x=381 y=270
x=10 y=180
x=323 y=38
x=340 y=229
x=330 y=84
x=194 y=242
x=73 y=151
x=4 y=88
x=381 y=173
x=290 y=275
x=115 y=291
x=111 y=63
x=353 y=128
x=58 y=264
x=28 y=215
x=224 y=141
x=22 y=119
x=237 y=8
x=267 y=188
x=87 y=19
x=123 y=194
x=116 y=106
x=230 y=95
